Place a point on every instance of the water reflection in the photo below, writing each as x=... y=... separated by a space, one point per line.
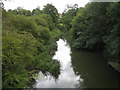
x=94 y=70
x=67 y=77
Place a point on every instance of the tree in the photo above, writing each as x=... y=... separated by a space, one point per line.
x=26 y=48
x=21 y=11
x=112 y=38
x=89 y=27
x=67 y=18
x=36 y=11
x=18 y=53
x=96 y=27
x=52 y=11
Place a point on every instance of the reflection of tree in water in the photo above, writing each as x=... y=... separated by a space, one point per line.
x=93 y=70
x=67 y=78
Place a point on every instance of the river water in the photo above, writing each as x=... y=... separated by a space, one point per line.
x=79 y=70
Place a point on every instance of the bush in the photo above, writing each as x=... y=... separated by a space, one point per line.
x=18 y=52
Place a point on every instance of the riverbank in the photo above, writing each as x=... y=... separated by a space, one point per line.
x=44 y=63
x=67 y=78
x=115 y=65
x=79 y=69
x=30 y=50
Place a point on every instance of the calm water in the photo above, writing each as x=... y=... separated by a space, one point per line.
x=79 y=69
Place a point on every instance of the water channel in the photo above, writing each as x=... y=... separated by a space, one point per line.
x=79 y=69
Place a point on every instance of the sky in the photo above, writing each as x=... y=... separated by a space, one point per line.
x=32 y=4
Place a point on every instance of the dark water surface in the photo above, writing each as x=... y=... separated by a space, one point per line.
x=79 y=69
x=94 y=70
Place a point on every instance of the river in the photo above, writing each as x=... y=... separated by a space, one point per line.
x=79 y=69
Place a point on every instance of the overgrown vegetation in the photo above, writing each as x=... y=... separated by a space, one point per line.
x=29 y=38
x=28 y=45
x=96 y=27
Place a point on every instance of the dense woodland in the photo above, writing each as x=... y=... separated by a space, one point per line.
x=29 y=38
x=95 y=27
x=28 y=45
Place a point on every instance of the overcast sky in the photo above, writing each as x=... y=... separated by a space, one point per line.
x=32 y=4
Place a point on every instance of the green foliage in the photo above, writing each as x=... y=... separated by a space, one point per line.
x=96 y=28
x=44 y=20
x=18 y=51
x=36 y=11
x=28 y=46
x=112 y=38
x=20 y=11
x=61 y=26
x=23 y=23
x=40 y=21
x=56 y=33
x=19 y=22
x=67 y=18
x=33 y=25
x=52 y=11
x=6 y=22
x=45 y=64
x=51 y=24
x=44 y=34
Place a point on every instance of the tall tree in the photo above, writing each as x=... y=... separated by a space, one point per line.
x=52 y=11
x=67 y=18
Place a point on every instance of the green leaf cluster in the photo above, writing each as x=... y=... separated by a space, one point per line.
x=52 y=11
x=68 y=17
x=28 y=47
x=96 y=27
